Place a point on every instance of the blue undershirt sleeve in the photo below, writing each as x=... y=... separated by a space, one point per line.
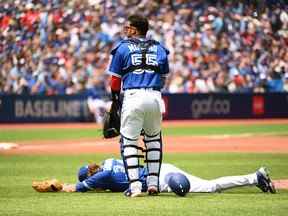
x=98 y=180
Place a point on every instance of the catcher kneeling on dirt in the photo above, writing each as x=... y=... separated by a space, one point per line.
x=111 y=176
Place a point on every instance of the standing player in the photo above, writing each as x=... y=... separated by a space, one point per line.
x=111 y=175
x=142 y=65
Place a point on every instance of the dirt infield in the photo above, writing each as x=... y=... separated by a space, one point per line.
x=203 y=144
x=170 y=123
x=224 y=143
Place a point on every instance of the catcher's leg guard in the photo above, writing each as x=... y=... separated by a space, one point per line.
x=153 y=158
x=129 y=152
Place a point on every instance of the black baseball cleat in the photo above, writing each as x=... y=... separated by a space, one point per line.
x=152 y=191
x=263 y=180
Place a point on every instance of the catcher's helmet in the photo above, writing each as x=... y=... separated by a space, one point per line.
x=83 y=173
x=179 y=184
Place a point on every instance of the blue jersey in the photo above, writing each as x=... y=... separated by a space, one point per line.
x=127 y=55
x=111 y=177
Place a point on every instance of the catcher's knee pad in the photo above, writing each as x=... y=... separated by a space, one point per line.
x=130 y=155
x=153 y=158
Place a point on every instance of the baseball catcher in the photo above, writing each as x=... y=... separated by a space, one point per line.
x=138 y=67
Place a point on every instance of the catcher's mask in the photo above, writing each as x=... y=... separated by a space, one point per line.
x=87 y=170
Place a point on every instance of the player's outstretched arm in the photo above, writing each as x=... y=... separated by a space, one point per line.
x=96 y=181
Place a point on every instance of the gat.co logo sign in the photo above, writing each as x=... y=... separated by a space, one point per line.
x=210 y=106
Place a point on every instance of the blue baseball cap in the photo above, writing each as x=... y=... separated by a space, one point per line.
x=83 y=173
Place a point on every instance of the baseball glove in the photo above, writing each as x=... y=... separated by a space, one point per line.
x=111 y=125
x=52 y=185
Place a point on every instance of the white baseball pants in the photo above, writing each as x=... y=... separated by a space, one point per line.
x=201 y=185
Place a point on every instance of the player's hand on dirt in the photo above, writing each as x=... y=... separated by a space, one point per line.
x=69 y=188
x=51 y=185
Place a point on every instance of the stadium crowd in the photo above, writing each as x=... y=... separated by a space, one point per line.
x=63 y=46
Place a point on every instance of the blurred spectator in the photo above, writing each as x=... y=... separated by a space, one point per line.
x=62 y=46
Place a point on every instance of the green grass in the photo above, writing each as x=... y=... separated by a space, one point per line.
x=18 y=198
x=8 y=135
x=281 y=129
x=17 y=172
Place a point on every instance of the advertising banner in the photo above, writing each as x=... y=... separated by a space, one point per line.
x=14 y=108
x=225 y=106
x=73 y=108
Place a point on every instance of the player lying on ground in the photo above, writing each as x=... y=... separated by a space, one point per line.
x=110 y=175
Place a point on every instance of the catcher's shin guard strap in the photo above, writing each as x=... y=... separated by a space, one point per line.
x=122 y=147
x=152 y=161
x=151 y=140
x=153 y=174
x=131 y=158
x=153 y=158
x=138 y=147
x=154 y=149
x=124 y=137
x=133 y=180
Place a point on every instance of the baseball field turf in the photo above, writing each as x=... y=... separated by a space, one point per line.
x=18 y=167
